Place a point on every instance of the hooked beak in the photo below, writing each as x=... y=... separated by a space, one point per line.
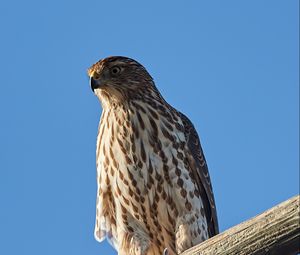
x=95 y=83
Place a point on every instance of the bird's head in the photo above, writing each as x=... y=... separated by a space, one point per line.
x=116 y=80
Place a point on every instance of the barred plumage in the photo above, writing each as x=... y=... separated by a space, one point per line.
x=154 y=190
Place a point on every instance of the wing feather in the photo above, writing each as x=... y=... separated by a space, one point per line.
x=200 y=171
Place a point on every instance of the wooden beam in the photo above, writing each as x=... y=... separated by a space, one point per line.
x=274 y=232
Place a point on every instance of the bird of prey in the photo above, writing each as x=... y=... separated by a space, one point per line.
x=154 y=190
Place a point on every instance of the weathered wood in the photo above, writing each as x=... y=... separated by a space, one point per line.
x=274 y=232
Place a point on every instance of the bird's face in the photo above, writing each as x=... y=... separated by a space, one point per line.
x=119 y=79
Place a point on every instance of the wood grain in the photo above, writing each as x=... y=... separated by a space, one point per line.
x=274 y=232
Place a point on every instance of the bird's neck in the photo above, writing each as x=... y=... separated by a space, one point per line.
x=143 y=114
x=116 y=99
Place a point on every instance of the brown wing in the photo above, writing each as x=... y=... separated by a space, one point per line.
x=200 y=171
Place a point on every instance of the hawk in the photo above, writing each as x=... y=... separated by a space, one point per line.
x=154 y=190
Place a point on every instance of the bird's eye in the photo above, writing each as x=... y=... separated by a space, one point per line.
x=115 y=70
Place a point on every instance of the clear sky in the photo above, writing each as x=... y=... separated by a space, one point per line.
x=231 y=66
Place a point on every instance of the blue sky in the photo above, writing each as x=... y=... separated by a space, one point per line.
x=231 y=66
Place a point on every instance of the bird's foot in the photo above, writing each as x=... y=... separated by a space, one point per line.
x=166 y=252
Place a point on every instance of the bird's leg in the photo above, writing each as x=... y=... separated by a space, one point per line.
x=133 y=244
x=186 y=227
